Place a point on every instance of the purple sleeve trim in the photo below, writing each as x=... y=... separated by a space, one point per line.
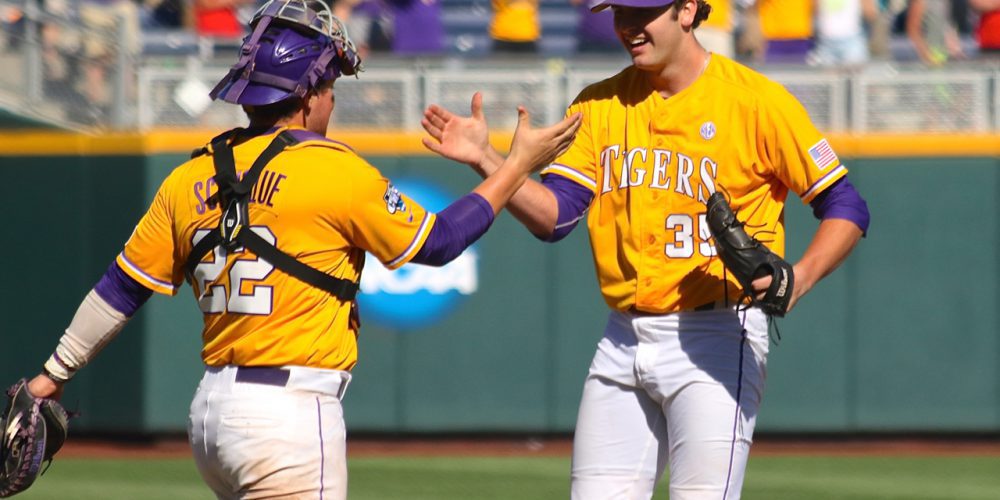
x=573 y=200
x=842 y=201
x=122 y=292
x=457 y=226
x=55 y=355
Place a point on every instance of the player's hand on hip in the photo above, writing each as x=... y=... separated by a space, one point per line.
x=537 y=148
x=802 y=285
x=463 y=139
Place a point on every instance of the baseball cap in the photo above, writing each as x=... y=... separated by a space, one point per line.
x=599 y=5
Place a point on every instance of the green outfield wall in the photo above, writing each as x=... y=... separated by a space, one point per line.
x=904 y=337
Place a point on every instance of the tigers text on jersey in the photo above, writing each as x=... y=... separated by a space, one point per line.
x=317 y=201
x=653 y=161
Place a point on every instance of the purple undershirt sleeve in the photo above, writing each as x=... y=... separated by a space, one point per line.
x=457 y=226
x=842 y=201
x=573 y=200
x=122 y=292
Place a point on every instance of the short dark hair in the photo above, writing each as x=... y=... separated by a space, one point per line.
x=704 y=9
x=271 y=113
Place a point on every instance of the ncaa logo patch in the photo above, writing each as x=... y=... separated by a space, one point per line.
x=416 y=296
x=707 y=131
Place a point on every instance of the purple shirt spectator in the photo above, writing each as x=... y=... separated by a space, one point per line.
x=417 y=27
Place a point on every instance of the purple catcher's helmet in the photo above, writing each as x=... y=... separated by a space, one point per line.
x=294 y=45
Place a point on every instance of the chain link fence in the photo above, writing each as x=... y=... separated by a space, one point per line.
x=72 y=64
x=81 y=68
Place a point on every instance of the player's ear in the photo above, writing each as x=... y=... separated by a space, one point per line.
x=309 y=101
x=687 y=10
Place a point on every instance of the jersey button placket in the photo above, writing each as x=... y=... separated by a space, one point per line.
x=651 y=256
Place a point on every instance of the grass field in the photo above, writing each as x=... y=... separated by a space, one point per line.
x=787 y=477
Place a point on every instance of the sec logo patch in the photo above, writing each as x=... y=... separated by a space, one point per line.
x=707 y=131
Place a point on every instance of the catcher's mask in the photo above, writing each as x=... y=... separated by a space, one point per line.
x=293 y=46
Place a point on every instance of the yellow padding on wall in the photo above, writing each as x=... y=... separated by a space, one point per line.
x=385 y=143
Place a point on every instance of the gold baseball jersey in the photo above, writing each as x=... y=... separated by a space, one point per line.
x=515 y=20
x=786 y=19
x=720 y=16
x=653 y=161
x=317 y=201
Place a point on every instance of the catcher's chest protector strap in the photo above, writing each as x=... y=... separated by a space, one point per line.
x=234 y=232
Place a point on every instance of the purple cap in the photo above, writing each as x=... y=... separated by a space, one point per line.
x=599 y=5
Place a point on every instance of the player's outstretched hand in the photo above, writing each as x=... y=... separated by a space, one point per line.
x=537 y=148
x=463 y=139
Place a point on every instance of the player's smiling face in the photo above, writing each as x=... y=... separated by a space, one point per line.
x=650 y=35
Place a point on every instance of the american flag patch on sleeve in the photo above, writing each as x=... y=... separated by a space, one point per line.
x=822 y=155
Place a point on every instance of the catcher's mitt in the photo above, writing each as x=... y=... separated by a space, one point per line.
x=34 y=429
x=748 y=259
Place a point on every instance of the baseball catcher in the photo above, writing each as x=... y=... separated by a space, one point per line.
x=34 y=429
x=748 y=259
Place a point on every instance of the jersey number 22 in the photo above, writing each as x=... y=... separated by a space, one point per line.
x=244 y=296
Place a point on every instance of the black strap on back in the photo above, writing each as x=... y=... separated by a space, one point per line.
x=234 y=231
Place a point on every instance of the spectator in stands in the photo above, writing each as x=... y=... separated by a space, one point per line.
x=417 y=27
x=160 y=14
x=109 y=26
x=786 y=26
x=12 y=22
x=961 y=14
x=880 y=28
x=840 y=33
x=222 y=18
x=932 y=31
x=595 y=32
x=988 y=29
x=369 y=23
x=750 y=42
x=716 y=32
x=60 y=53
x=515 y=27
x=343 y=9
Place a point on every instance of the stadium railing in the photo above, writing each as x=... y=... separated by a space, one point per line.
x=164 y=83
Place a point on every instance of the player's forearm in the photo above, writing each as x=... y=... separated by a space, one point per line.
x=833 y=242
x=101 y=315
x=499 y=186
x=96 y=322
x=536 y=208
x=533 y=205
x=492 y=161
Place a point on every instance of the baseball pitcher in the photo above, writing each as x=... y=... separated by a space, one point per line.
x=681 y=168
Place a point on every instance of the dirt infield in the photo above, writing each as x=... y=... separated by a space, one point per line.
x=366 y=446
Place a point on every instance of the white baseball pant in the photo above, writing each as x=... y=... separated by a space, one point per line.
x=679 y=389
x=262 y=432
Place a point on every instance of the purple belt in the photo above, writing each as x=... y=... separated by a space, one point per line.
x=267 y=375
